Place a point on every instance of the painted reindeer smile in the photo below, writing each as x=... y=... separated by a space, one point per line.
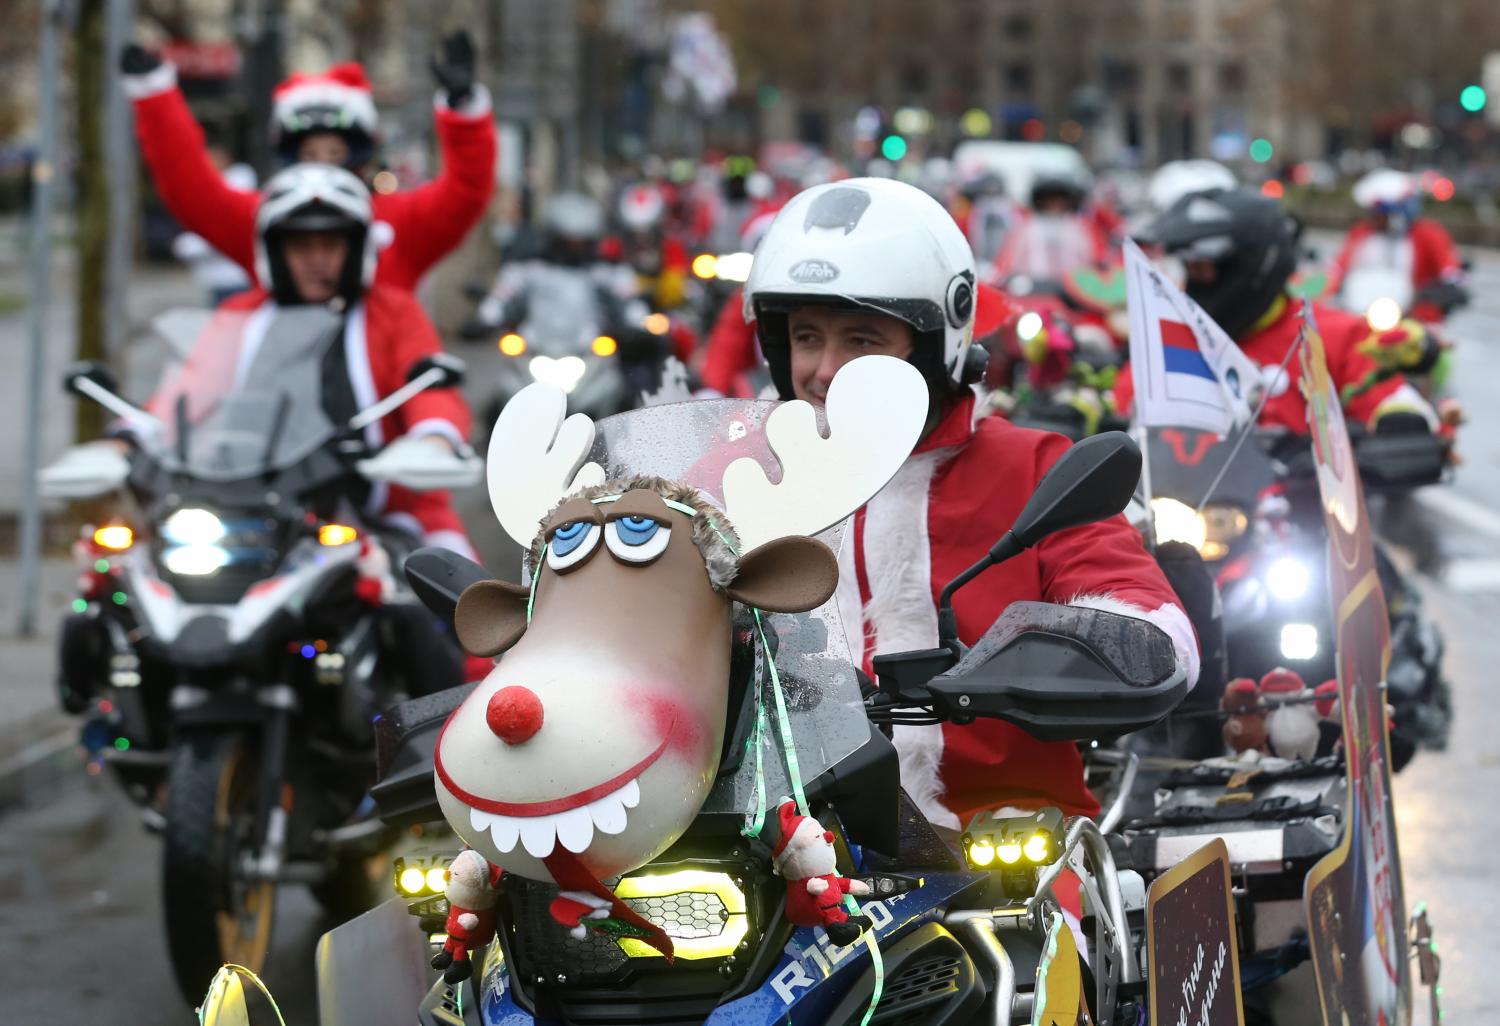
x=571 y=819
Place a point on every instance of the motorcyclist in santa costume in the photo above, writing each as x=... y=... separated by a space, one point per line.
x=327 y=118
x=874 y=266
x=1239 y=249
x=313 y=246
x=1393 y=232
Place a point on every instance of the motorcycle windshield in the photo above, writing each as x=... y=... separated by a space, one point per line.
x=1185 y=463
x=562 y=312
x=249 y=396
x=693 y=443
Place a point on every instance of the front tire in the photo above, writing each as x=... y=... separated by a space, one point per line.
x=213 y=914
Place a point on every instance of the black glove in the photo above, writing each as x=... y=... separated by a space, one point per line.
x=135 y=59
x=454 y=71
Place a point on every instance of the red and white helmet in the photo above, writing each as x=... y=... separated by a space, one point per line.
x=338 y=100
x=874 y=243
x=314 y=197
x=642 y=207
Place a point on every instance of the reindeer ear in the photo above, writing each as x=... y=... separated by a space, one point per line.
x=787 y=575
x=491 y=617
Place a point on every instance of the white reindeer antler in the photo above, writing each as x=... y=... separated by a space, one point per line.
x=876 y=408
x=536 y=458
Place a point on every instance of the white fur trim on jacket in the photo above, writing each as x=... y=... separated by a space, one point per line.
x=1169 y=618
x=901 y=616
x=158 y=80
x=476 y=106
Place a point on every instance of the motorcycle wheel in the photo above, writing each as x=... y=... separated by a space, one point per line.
x=213 y=915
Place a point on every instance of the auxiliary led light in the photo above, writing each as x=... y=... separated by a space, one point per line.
x=1299 y=641
x=512 y=344
x=114 y=537
x=333 y=535
x=1010 y=853
x=412 y=881
x=706 y=266
x=437 y=879
x=1038 y=847
x=1288 y=578
x=981 y=854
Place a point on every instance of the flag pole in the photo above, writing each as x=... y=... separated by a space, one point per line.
x=1142 y=440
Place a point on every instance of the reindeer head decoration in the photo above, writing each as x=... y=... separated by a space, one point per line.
x=600 y=730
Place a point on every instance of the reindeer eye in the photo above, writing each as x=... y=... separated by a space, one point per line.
x=571 y=544
x=637 y=539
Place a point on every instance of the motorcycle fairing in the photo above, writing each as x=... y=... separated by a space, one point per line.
x=810 y=978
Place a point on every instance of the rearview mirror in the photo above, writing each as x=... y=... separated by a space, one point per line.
x=1093 y=480
x=450 y=370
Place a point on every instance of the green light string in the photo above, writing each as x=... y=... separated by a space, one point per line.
x=755 y=822
x=230 y=969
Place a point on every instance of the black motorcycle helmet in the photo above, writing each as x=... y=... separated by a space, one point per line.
x=1051 y=185
x=314 y=198
x=1249 y=238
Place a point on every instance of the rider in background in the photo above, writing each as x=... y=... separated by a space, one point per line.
x=659 y=260
x=1239 y=249
x=905 y=287
x=1393 y=234
x=325 y=118
x=1053 y=234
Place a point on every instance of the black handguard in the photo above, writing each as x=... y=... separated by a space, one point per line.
x=135 y=59
x=454 y=71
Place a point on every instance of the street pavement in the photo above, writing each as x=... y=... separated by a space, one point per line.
x=80 y=883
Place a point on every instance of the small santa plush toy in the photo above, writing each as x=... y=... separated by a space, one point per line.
x=806 y=859
x=1245 y=730
x=471 y=892
x=1292 y=727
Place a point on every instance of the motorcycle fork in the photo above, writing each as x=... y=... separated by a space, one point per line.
x=273 y=807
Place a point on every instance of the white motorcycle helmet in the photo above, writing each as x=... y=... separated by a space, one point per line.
x=1387 y=190
x=314 y=197
x=876 y=244
x=1178 y=178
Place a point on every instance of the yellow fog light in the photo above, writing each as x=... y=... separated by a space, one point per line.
x=1038 y=847
x=512 y=344
x=705 y=266
x=336 y=534
x=1010 y=853
x=411 y=881
x=114 y=537
x=717 y=936
x=604 y=346
x=437 y=879
x=981 y=854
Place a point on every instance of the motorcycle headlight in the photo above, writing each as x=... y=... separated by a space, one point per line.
x=733 y=267
x=1383 y=314
x=193 y=527
x=1211 y=532
x=1287 y=578
x=195 y=560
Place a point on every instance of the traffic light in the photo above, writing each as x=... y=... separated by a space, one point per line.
x=893 y=147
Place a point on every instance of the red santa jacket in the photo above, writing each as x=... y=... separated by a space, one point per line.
x=1353 y=372
x=1046 y=248
x=1427 y=247
x=384 y=335
x=952 y=499
x=422 y=225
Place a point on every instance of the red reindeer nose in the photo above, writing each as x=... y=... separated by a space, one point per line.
x=514 y=713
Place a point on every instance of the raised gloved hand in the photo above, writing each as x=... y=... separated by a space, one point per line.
x=454 y=70
x=135 y=59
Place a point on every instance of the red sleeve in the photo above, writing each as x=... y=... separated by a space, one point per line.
x=432 y=219
x=731 y=346
x=1436 y=256
x=1103 y=559
x=1124 y=391
x=1356 y=235
x=1351 y=369
x=410 y=337
x=187 y=181
x=674 y=256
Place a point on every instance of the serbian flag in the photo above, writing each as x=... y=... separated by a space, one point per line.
x=1186 y=371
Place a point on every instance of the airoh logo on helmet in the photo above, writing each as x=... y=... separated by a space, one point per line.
x=840 y=207
x=812 y=272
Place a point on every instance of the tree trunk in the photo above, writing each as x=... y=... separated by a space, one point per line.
x=91 y=64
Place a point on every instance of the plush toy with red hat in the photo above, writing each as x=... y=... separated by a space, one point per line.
x=1245 y=730
x=805 y=858
x=473 y=888
x=1292 y=723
